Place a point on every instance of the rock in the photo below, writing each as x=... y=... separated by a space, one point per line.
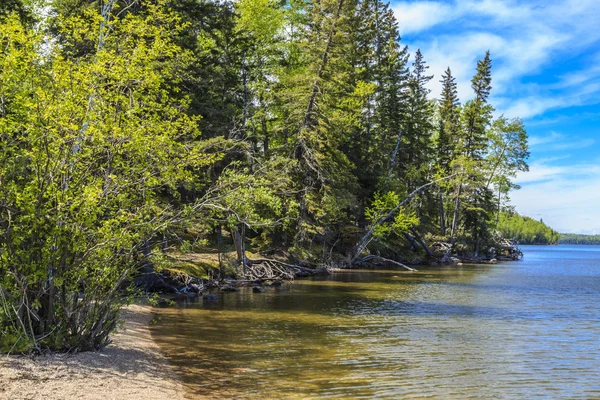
x=211 y=285
x=257 y=289
x=192 y=287
x=228 y=288
x=276 y=283
x=210 y=297
x=322 y=271
x=154 y=282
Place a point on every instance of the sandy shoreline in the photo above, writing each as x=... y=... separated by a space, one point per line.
x=130 y=368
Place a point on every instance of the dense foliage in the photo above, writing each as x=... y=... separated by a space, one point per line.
x=297 y=126
x=526 y=230
x=574 y=238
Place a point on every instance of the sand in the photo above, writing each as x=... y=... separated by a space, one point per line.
x=129 y=368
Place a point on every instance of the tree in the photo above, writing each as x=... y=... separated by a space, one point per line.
x=449 y=133
x=90 y=147
x=418 y=126
x=449 y=130
x=19 y=7
x=476 y=117
x=507 y=155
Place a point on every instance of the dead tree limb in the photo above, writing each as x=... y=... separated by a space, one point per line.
x=372 y=257
x=368 y=236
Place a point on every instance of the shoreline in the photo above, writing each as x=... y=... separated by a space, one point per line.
x=130 y=368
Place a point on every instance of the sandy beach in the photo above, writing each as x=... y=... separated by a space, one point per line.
x=129 y=368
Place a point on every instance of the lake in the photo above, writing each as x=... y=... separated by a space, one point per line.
x=527 y=329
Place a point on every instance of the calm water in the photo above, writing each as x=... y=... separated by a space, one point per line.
x=526 y=329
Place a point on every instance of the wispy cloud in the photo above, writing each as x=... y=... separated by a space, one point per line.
x=553 y=137
x=566 y=197
x=574 y=144
x=555 y=141
x=524 y=37
x=414 y=17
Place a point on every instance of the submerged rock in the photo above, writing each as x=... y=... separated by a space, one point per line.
x=322 y=271
x=257 y=289
x=210 y=297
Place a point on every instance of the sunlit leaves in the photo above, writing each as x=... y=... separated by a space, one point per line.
x=91 y=144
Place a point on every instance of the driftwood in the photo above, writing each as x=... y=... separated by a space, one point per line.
x=269 y=269
x=373 y=257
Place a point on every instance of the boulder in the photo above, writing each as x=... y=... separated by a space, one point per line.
x=323 y=271
x=210 y=297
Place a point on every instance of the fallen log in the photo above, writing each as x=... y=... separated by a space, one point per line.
x=373 y=257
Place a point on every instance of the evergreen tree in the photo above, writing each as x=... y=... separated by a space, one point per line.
x=382 y=63
x=477 y=113
x=418 y=126
x=449 y=122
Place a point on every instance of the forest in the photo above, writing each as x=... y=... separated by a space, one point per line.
x=136 y=133
x=527 y=230
x=575 y=238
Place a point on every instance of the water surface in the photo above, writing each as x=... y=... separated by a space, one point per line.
x=513 y=330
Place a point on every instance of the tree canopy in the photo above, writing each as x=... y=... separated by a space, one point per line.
x=526 y=230
x=300 y=127
x=574 y=238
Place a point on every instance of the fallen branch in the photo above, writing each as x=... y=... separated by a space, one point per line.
x=368 y=236
x=385 y=260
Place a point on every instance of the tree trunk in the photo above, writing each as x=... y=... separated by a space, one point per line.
x=413 y=242
x=498 y=212
x=455 y=219
x=238 y=241
x=218 y=231
x=442 y=215
x=422 y=243
x=394 y=155
x=244 y=261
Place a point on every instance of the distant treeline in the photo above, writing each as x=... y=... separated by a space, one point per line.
x=527 y=230
x=574 y=238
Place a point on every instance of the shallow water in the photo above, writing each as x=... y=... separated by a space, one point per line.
x=514 y=330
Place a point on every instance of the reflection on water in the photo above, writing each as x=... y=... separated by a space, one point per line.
x=514 y=330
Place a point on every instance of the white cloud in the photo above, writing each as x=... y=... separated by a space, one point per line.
x=415 y=17
x=524 y=37
x=567 y=197
x=566 y=204
x=553 y=137
x=529 y=106
x=574 y=144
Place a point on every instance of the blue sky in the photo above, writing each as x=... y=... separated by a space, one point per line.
x=546 y=70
